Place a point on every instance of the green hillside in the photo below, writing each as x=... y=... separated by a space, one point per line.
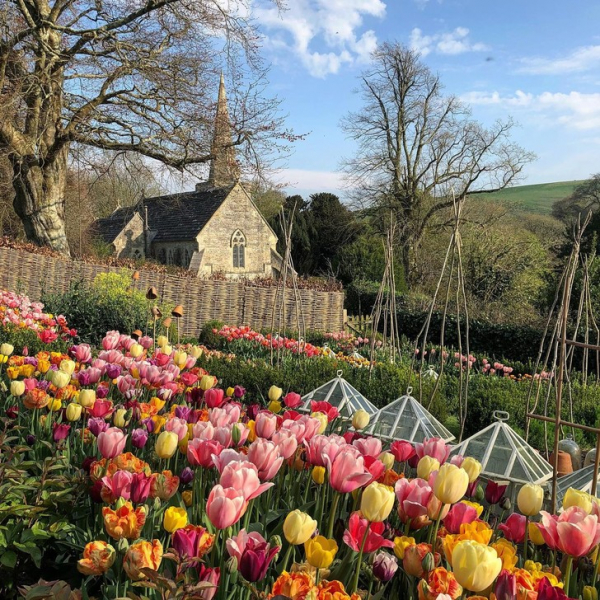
x=536 y=198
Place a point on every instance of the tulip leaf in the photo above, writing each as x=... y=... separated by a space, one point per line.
x=9 y=559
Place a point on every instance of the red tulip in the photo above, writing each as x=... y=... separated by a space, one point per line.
x=375 y=467
x=514 y=528
x=459 y=513
x=214 y=397
x=212 y=576
x=201 y=452
x=331 y=411
x=292 y=400
x=494 y=490
x=101 y=408
x=140 y=487
x=353 y=536
x=60 y=432
x=402 y=450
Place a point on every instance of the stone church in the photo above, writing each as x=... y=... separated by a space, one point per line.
x=214 y=229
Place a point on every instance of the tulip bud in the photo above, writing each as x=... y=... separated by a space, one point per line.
x=275 y=542
x=428 y=562
x=30 y=439
x=231 y=565
x=229 y=392
x=73 y=411
x=387 y=458
x=17 y=388
x=479 y=494
x=274 y=393
x=136 y=350
x=505 y=503
x=6 y=349
x=360 y=419
x=530 y=499
x=166 y=444
x=87 y=398
x=67 y=366
x=236 y=434
x=318 y=475
x=590 y=593
x=187 y=497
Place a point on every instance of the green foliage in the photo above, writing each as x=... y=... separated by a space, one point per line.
x=109 y=303
x=26 y=338
x=208 y=337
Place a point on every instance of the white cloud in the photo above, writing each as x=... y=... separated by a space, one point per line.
x=455 y=42
x=332 y=25
x=581 y=59
x=576 y=110
x=306 y=181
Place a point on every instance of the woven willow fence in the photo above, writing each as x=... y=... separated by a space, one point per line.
x=233 y=302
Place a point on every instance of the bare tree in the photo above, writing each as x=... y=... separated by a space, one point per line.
x=417 y=148
x=126 y=76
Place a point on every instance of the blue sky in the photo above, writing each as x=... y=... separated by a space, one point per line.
x=535 y=60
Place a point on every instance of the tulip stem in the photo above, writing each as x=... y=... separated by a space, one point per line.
x=334 y=503
x=354 y=584
x=436 y=528
x=286 y=557
x=596 y=568
x=525 y=544
x=568 y=574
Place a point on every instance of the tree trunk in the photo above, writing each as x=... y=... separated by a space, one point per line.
x=40 y=199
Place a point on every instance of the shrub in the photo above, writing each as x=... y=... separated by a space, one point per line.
x=208 y=337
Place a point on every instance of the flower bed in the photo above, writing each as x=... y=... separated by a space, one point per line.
x=127 y=472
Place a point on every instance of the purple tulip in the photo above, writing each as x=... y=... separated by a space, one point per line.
x=101 y=392
x=384 y=566
x=506 y=586
x=187 y=475
x=113 y=371
x=97 y=425
x=255 y=560
x=148 y=424
x=239 y=391
x=31 y=439
x=60 y=432
x=183 y=412
x=190 y=541
x=139 y=437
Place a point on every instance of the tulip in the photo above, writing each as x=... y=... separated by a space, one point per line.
x=117 y=486
x=210 y=576
x=111 y=442
x=514 y=528
x=530 y=499
x=142 y=555
x=275 y=407
x=286 y=443
x=163 y=485
x=166 y=444
x=136 y=350
x=97 y=426
x=506 y=586
x=322 y=419
x=124 y=522
x=243 y=476
x=214 y=397
x=265 y=455
x=98 y=558
x=206 y=382
x=17 y=388
x=360 y=419
x=387 y=458
x=354 y=535
x=401 y=544
x=434 y=447
x=384 y=566
x=60 y=379
x=414 y=562
x=87 y=398
x=450 y=483
x=139 y=438
x=298 y=527
x=141 y=486
x=427 y=465
x=320 y=551
x=573 y=532
x=73 y=412
x=192 y=542
x=460 y=513
x=265 y=425
x=402 y=450
x=440 y=584
x=535 y=535
x=67 y=366
x=119 y=418
x=318 y=475
x=494 y=490
x=225 y=506
x=6 y=349
x=202 y=452
x=274 y=393
x=60 y=431
x=256 y=556
x=472 y=467
x=292 y=400
x=475 y=565
x=413 y=497
x=186 y=476
x=347 y=471
x=175 y=518
x=377 y=502
x=578 y=498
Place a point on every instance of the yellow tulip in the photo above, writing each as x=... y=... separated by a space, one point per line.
x=320 y=551
x=578 y=498
x=43 y=365
x=11 y=372
x=360 y=419
x=119 y=418
x=377 y=502
x=6 y=349
x=450 y=483
x=530 y=499
x=180 y=358
x=322 y=417
x=166 y=349
x=387 y=458
x=535 y=535
x=73 y=411
x=166 y=444
x=475 y=565
x=275 y=406
x=230 y=391
x=426 y=466
x=60 y=379
x=274 y=393
x=17 y=388
x=187 y=497
x=175 y=518
x=67 y=366
x=298 y=527
x=54 y=405
x=472 y=467
x=161 y=341
x=87 y=398
x=401 y=544
x=206 y=382
x=136 y=350
x=196 y=352
x=318 y=475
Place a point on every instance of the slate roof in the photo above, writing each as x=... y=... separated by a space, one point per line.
x=174 y=218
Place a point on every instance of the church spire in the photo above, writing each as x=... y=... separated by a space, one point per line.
x=224 y=169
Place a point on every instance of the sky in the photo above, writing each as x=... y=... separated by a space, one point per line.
x=537 y=61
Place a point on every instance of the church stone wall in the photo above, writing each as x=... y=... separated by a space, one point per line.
x=174 y=253
x=237 y=212
x=130 y=242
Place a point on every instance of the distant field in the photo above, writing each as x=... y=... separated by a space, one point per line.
x=536 y=198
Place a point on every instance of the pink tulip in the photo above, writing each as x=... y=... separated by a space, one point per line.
x=203 y=430
x=514 y=528
x=177 y=426
x=226 y=457
x=111 y=442
x=225 y=506
x=220 y=417
x=292 y=400
x=573 y=532
x=265 y=455
x=285 y=442
x=223 y=436
x=214 y=397
x=347 y=471
x=434 y=447
x=321 y=446
x=111 y=340
x=459 y=513
x=117 y=486
x=457 y=460
x=244 y=476
x=265 y=424
x=413 y=497
x=402 y=450
x=201 y=452
x=236 y=544
x=369 y=446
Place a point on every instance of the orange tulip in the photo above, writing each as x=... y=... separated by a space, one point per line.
x=124 y=522
x=98 y=557
x=293 y=585
x=142 y=555
x=36 y=398
x=439 y=581
x=164 y=485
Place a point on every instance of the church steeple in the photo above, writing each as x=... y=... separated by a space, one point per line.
x=224 y=169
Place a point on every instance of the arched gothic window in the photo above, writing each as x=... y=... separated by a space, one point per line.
x=238 y=245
